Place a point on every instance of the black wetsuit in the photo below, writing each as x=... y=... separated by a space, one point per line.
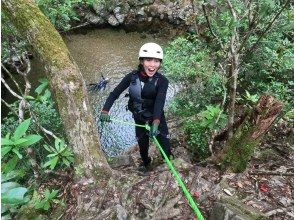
x=158 y=95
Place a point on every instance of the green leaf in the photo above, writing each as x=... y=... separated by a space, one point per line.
x=67 y=161
x=57 y=144
x=21 y=129
x=40 y=88
x=46 y=206
x=8 y=186
x=14 y=196
x=53 y=163
x=10 y=165
x=43 y=81
x=4 y=151
x=31 y=139
x=20 y=141
x=8 y=176
x=47 y=193
x=28 y=97
x=48 y=148
x=47 y=94
x=17 y=153
x=6 y=141
x=48 y=163
x=40 y=204
x=53 y=194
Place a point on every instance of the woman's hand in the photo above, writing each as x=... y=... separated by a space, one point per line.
x=104 y=117
x=154 y=129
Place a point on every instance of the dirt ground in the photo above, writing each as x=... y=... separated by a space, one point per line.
x=266 y=185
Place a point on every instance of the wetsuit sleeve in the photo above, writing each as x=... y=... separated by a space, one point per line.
x=116 y=92
x=160 y=98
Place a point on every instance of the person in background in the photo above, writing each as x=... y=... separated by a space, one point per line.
x=147 y=94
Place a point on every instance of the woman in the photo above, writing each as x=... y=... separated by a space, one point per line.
x=147 y=93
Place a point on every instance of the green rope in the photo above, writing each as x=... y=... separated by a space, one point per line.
x=127 y=123
x=180 y=182
x=171 y=167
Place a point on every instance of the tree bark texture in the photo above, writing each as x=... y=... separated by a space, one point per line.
x=66 y=82
x=233 y=70
x=240 y=147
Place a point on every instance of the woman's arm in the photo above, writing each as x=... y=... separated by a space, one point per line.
x=125 y=82
x=160 y=97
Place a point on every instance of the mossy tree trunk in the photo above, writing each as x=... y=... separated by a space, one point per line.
x=66 y=82
x=240 y=147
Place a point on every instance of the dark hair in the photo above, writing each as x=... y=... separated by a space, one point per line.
x=140 y=66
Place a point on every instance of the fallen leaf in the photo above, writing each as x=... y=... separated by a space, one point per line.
x=239 y=184
x=263 y=187
x=196 y=194
x=228 y=192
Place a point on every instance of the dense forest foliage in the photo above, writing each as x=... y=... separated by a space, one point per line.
x=258 y=33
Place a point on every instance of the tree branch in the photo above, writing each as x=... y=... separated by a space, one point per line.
x=210 y=27
x=13 y=79
x=251 y=25
x=9 y=106
x=268 y=27
x=270 y=173
x=10 y=90
x=233 y=71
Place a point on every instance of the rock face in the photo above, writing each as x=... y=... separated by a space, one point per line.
x=226 y=211
x=149 y=15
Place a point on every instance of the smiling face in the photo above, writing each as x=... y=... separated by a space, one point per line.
x=150 y=65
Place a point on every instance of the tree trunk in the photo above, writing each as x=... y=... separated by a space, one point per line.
x=240 y=147
x=233 y=69
x=66 y=83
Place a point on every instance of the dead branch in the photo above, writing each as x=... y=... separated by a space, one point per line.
x=9 y=106
x=270 y=173
x=279 y=210
x=10 y=90
x=13 y=79
x=24 y=73
x=76 y=27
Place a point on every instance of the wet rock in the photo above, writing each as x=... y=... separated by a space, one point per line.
x=121 y=213
x=229 y=208
x=118 y=15
x=94 y=19
x=136 y=14
x=100 y=10
x=112 y=20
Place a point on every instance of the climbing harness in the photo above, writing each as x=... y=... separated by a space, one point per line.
x=137 y=105
x=171 y=167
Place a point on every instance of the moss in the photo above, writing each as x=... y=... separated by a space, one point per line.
x=28 y=212
x=242 y=209
x=268 y=154
x=39 y=31
x=240 y=149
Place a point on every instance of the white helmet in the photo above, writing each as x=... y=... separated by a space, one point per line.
x=151 y=50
